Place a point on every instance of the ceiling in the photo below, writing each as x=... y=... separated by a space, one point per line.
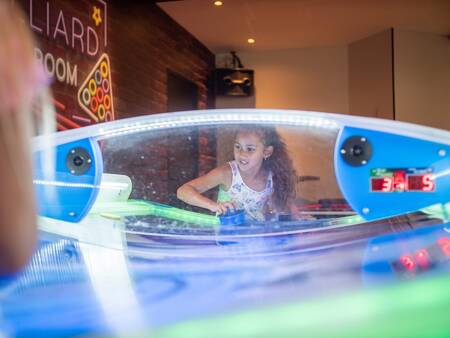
x=287 y=24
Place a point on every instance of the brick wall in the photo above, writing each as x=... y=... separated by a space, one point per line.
x=148 y=44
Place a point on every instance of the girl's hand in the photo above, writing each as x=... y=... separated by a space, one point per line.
x=221 y=208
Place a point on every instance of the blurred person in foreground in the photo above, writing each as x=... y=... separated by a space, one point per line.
x=21 y=77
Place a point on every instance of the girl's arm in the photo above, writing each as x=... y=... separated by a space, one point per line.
x=191 y=192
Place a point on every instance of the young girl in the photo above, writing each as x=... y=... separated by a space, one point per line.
x=259 y=181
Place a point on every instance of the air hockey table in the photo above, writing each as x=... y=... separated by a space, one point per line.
x=112 y=260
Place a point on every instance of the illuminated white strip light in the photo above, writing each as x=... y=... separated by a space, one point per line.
x=109 y=185
x=168 y=122
x=112 y=283
x=216 y=117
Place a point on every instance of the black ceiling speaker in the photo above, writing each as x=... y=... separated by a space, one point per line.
x=234 y=82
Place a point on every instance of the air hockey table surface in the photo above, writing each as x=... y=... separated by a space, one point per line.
x=155 y=285
x=107 y=265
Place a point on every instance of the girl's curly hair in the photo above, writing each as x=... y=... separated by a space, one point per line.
x=279 y=163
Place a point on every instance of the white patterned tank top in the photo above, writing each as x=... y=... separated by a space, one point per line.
x=244 y=197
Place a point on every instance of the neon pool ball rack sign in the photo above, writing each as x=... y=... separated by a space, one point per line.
x=402 y=180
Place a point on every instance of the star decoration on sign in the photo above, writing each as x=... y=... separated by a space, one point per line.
x=96 y=15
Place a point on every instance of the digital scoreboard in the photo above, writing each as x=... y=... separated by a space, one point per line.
x=402 y=180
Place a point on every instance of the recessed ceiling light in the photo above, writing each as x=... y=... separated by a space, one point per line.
x=218 y=3
x=251 y=41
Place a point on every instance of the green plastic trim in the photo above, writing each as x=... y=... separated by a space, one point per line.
x=143 y=208
x=441 y=211
x=418 y=308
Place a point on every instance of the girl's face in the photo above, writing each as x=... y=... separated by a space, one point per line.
x=249 y=151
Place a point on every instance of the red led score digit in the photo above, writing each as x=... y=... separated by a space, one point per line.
x=407 y=262
x=427 y=182
x=424 y=183
x=387 y=184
